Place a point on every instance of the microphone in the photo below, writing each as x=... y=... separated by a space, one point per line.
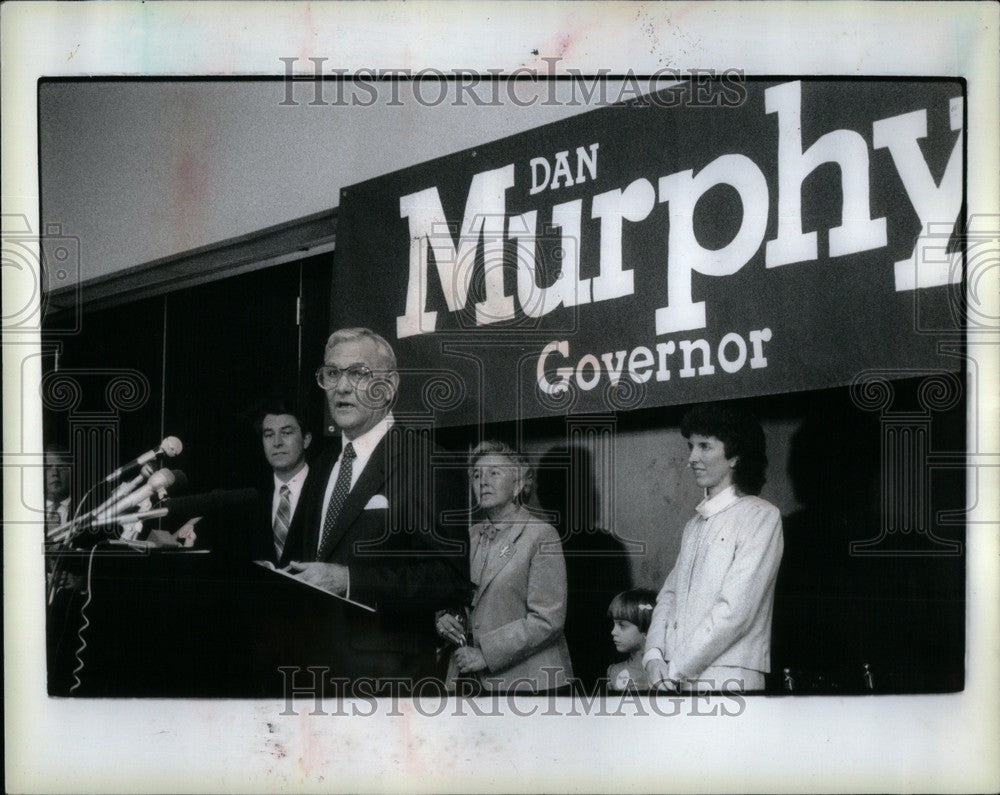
x=132 y=523
x=158 y=483
x=138 y=516
x=103 y=515
x=95 y=526
x=123 y=490
x=170 y=447
x=161 y=480
x=179 y=485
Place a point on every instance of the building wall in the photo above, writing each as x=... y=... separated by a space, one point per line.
x=140 y=170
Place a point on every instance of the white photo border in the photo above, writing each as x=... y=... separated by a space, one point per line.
x=906 y=743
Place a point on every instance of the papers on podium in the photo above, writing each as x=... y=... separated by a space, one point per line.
x=266 y=564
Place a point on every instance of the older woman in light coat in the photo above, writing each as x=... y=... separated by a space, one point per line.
x=510 y=638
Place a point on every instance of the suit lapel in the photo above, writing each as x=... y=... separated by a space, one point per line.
x=312 y=525
x=370 y=482
x=266 y=541
x=500 y=559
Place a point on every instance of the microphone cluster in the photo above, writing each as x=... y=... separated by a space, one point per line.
x=148 y=495
x=133 y=500
x=170 y=447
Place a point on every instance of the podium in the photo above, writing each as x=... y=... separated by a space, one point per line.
x=189 y=623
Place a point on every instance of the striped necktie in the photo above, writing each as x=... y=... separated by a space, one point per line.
x=52 y=519
x=283 y=518
x=340 y=490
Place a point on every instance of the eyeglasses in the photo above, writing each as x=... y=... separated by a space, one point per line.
x=328 y=377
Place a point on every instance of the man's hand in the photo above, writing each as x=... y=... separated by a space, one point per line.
x=469 y=660
x=161 y=539
x=330 y=577
x=186 y=536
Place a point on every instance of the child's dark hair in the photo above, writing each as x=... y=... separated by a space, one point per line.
x=635 y=606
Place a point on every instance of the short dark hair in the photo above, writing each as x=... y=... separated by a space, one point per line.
x=741 y=435
x=635 y=606
x=279 y=405
x=57 y=454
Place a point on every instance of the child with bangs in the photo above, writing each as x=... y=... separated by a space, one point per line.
x=631 y=612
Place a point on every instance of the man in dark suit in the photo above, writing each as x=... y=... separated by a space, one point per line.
x=373 y=530
x=58 y=501
x=63 y=573
x=285 y=437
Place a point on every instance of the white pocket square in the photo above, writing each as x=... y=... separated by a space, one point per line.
x=376 y=502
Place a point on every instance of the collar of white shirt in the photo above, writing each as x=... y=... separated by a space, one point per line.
x=294 y=483
x=710 y=506
x=366 y=443
x=364 y=446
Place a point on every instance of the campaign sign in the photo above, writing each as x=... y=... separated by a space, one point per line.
x=786 y=236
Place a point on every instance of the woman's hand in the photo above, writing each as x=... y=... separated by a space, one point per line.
x=658 y=673
x=469 y=660
x=450 y=628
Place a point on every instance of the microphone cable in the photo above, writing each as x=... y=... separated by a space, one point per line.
x=85 y=622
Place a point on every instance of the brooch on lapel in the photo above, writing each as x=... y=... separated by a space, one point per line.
x=505 y=550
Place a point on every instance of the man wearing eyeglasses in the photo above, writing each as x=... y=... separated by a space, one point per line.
x=373 y=531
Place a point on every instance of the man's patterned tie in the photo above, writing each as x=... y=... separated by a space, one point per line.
x=52 y=520
x=283 y=518
x=339 y=497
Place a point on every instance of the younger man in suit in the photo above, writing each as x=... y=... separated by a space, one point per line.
x=285 y=438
